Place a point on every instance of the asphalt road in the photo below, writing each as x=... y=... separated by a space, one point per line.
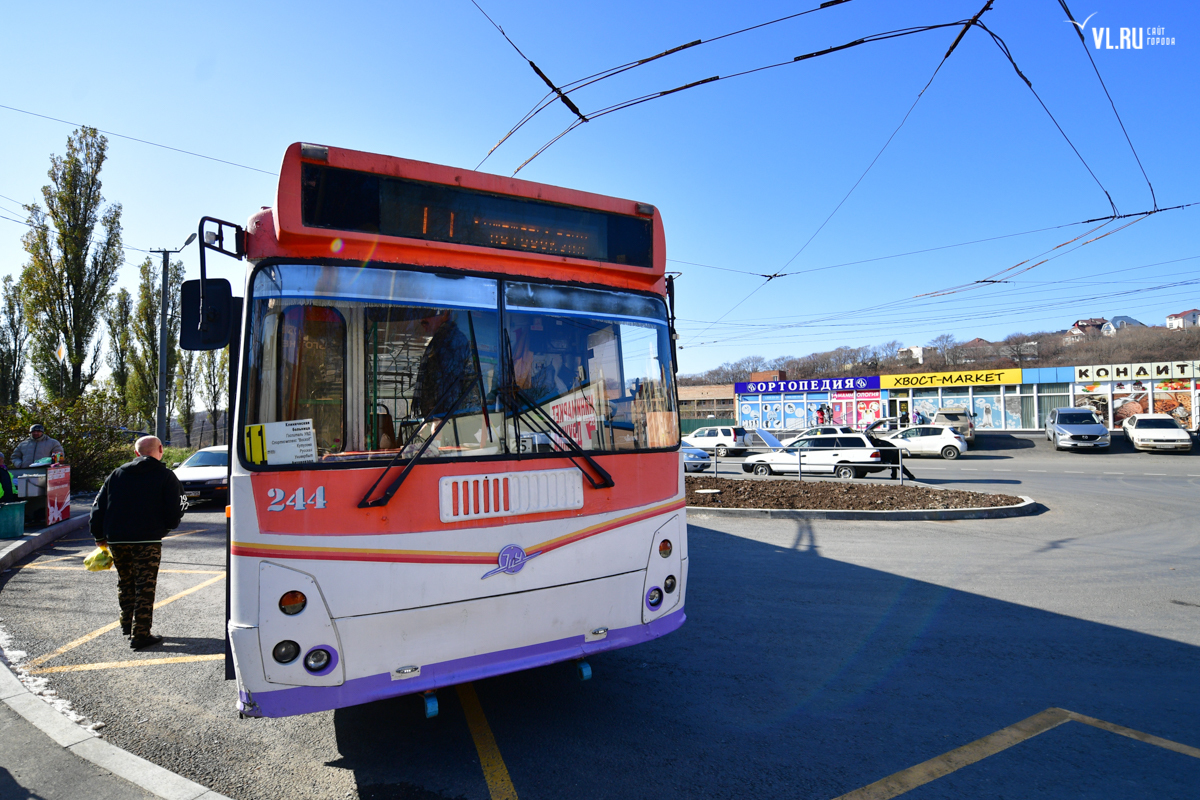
x=819 y=657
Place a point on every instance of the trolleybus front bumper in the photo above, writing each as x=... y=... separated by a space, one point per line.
x=368 y=641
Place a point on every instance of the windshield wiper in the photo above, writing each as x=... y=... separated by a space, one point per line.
x=519 y=405
x=382 y=500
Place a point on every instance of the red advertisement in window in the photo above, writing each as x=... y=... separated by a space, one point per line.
x=58 y=494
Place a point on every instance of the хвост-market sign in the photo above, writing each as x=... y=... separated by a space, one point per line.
x=923 y=380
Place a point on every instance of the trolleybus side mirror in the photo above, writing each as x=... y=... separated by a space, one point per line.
x=218 y=308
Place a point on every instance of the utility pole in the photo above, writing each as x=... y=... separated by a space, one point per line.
x=161 y=423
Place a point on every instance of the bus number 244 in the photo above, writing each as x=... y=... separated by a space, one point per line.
x=296 y=501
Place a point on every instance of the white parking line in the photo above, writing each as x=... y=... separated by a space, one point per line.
x=1154 y=473
x=1035 y=470
x=1004 y=470
x=1114 y=473
x=1076 y=472
x=970 y=469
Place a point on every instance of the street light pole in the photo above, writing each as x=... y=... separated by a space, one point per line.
x=161 y=423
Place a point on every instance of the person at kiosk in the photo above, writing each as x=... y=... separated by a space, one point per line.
x=35 y=448
x=7 y=493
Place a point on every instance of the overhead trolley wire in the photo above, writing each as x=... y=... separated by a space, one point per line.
x=141 y=141
x=877 y=37
x=554 y=90
x=596 y=77
x=1000 y=43
x=974 y=20
x=1079 y=30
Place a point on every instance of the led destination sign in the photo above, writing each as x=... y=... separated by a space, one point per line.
x=349 y=200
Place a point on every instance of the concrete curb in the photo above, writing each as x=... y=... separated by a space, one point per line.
x=65 y=733
x=13 y=550
x=1026 y=507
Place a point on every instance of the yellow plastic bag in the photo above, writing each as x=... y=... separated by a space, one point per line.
x=98 y=560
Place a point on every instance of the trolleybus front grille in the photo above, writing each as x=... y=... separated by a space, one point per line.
x=507 y=494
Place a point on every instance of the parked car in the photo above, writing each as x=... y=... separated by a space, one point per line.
x=846 y=456
x=1076 y=429
x=203 y=475
x=720 y=440
x=695 y=459
x=821 y=430
x=930 y=440
x=1156 y=432
x=960 y=419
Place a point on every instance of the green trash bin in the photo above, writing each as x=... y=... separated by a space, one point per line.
x=12 y=520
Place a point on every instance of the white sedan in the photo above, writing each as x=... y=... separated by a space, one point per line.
x=930 y=440
x=820 y=431
x=1156 y=432
x=846 y=456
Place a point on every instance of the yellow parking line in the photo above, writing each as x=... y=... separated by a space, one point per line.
x=494 y=772
x=144 y=662
x=185 y=533
x=920 y=774
x=100 y=631
x=60 y=558
x=85 y=569
x=1121 y=730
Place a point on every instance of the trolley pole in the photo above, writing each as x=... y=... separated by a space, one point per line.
x=162 y=426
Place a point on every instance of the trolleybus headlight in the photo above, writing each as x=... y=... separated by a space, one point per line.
x=292 y=603
x=669 y=584
x=317 y=660
x=654 y=597
x=285 y=652
x=664 y=548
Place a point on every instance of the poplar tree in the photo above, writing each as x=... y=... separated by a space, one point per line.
x=118 y=318
x=185 y=392
x=72 y=266
x=143 y=359
x=214 y=380
x=14 y=335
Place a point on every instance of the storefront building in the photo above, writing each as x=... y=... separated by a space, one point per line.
x=1006 y=399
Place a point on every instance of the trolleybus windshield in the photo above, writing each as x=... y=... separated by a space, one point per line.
x=379 y=362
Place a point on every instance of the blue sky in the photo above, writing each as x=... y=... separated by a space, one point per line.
x=744 y=170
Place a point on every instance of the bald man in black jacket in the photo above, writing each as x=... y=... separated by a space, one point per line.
x=139 y=503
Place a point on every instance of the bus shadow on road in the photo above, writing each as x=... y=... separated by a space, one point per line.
x=801 y=676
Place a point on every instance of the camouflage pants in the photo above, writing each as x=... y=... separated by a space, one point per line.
x=137 y=578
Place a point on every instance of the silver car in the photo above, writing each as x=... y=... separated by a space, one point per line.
x=695 y=459
x=1076 y=429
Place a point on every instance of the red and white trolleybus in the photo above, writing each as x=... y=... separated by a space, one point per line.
x=456 y=434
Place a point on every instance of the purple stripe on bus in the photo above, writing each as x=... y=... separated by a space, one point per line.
x=310 y=699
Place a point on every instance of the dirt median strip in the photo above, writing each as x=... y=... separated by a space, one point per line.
x=781 y=499
x=795 y=495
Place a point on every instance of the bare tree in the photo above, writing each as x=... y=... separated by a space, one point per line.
x=945 y=348
x=1020 y=348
